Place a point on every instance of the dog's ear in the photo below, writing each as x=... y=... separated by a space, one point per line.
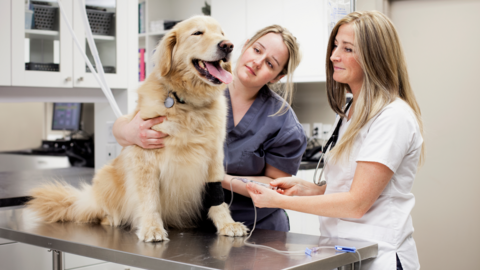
x=164 y=55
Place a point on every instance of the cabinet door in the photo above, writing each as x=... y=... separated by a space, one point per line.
x=72 y=261
x=107 y=266
x=41 y=56
x=5 y=45
x=234 y=24
x=5 y=241
x=306 y=19
x=109 y=28
x=262 y=13
x=20 y=256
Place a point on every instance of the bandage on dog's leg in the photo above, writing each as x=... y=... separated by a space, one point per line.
x=219 y=212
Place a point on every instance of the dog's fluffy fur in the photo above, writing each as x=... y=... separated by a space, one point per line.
x=154 y=189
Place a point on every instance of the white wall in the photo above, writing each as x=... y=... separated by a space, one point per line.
x=441 y=41
x=310 y=104
x=21 y=125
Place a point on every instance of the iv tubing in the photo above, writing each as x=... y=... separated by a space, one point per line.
x=92 y=45
x=284 y=252
x=106 y=90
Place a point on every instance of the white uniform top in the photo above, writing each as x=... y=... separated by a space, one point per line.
x=391 y=138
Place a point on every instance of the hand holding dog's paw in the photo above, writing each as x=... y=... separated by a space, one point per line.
x=233 y=229
x=152 y=234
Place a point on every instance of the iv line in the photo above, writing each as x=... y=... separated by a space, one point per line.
x=102 y=82
x=284 y=252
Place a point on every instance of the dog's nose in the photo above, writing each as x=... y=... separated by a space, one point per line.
x=225 y=46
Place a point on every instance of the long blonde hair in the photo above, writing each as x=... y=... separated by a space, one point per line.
x=294 y=58
x=379 y=53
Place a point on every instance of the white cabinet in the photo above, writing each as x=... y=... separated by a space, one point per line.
x=107 y=266
x=5 y=47
x=306 y=19
x=44 y=48
x=111 y=48
x=302 y=222
x=49 y=58
x=84 y=263
x=18 y=256
x=233 y=23
x=72 y=261
x=5 y=241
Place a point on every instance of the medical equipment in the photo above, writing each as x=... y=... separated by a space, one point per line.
x=101 y=80
x=307 y=251
x=246 y=181
x=330 y=144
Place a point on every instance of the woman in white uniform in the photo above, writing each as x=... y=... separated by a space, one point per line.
x=370 y=171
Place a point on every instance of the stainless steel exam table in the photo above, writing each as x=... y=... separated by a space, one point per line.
x=187 y=249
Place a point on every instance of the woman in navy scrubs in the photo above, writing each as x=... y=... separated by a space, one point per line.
x=264 y=139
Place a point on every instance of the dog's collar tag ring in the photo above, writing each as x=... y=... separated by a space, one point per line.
x=169 y=102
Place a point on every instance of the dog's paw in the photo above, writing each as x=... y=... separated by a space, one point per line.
x=233 y=229
x=152 y=234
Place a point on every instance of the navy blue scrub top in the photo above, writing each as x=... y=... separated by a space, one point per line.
x=258 y=139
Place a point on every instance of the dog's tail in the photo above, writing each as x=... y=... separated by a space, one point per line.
x=62 y=202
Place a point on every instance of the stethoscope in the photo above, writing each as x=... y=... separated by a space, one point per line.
x=330 y=144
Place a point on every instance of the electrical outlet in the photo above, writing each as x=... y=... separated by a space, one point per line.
x=110 y=137
x=326 y=131
x=111 y=151
x=306 y=129
x=317 y=130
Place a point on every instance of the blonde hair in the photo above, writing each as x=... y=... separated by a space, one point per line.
x=379 y=53
x=294 y=58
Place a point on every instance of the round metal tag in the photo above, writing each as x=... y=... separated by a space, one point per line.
x=169 y=102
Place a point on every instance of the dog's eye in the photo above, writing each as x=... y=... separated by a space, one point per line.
x=197 y=33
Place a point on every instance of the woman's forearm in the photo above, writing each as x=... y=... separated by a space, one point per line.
x=118 y=131
x=338 y=205
x=240 y=187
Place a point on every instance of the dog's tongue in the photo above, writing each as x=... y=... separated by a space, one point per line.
x=219 y=73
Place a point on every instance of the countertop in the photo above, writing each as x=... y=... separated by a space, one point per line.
x=187 y=249
x=14 y=186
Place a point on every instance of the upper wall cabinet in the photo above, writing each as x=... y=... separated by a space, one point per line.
x=108 y=24
x=41 y=46
x=306 y=19
x=43 y=51
x=5 y=31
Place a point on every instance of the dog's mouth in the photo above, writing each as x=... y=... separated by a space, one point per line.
x=212 y=71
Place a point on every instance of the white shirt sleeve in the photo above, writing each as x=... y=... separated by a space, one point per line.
x=390 y=136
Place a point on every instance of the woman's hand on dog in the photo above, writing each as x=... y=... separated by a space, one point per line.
x=139 y=132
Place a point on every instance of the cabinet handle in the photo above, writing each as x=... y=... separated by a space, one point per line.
x=80 y=79
x=68 y=79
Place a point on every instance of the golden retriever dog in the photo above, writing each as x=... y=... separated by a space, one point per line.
x=151 y=190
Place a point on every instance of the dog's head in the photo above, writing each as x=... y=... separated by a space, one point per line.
x=195 y=51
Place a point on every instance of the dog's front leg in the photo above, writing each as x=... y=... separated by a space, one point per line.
x=150 y=227
x=220 y=215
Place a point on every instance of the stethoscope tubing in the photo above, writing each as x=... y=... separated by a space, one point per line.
x=332 y=141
